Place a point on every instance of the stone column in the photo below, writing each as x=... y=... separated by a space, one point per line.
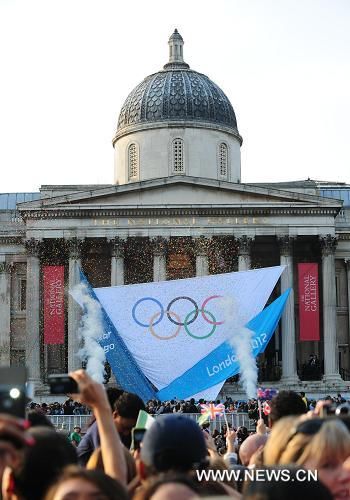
x=5 y=313
x=159 y=245
x=347 y=263
x=244 y=247
x=331 y=363
x=201 y=251
x=117 y=261
x=32 y=342
x=74 y=310
x=289 y=366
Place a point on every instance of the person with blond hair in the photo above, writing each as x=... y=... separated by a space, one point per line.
x=316 y=444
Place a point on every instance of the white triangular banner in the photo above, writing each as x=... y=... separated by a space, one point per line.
x=169 y=326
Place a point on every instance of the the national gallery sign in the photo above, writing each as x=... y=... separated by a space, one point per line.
x=178 y=221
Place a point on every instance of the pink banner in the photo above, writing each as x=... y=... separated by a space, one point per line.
x=309 y=310
x=54 y=320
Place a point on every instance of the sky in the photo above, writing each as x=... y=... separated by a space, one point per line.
x=68 y=65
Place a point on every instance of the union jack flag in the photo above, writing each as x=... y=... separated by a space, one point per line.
x=212 y=410
x=266 y=393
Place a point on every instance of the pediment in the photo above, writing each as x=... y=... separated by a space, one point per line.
x=173 y=192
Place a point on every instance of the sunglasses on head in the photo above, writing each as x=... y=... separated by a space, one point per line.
x=308 y=427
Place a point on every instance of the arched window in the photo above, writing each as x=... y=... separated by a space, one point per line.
x=178 y=156
x=223 y=160
x=133 y=162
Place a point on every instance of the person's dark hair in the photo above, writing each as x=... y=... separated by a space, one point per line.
x=128 y=405
x=113 y=394
x=275 y=489
x=149 y=488
x=173 y=443
x=42 y=463
x=285 y=404
x=37 y=418
x=112 y=489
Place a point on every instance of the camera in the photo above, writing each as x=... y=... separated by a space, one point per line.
x=62 y=384
x=13 y=390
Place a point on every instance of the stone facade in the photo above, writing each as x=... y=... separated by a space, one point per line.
x=164 y=225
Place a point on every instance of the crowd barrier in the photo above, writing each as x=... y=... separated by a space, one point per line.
x=68 y=422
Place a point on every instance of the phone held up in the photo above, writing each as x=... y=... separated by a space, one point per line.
x=138 y=435
x=13 y=390
x=62 y=384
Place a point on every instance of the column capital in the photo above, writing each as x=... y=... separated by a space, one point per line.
x=117 y=246
x=244 y=244
x=286 y=244
x=201 y=246
x=6 y=267
x=159 y=245
x=328 y=244
x=74 y=246
x=33 y=247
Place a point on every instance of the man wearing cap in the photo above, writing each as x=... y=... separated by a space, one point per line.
x=75 y=436
x=173 y=443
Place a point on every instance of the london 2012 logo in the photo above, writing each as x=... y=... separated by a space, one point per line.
x=173 y=317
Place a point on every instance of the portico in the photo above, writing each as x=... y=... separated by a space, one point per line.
x=103 y=236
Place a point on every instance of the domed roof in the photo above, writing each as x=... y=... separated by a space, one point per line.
x=177 y=94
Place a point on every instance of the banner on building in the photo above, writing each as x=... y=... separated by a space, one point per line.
x=54 y=316
x=309 y=309
x=169 y=327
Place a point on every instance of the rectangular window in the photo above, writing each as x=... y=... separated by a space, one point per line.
x=22 y=294
x=337 y=290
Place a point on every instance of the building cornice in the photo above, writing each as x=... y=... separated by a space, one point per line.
x=188 y=124
x=12 y=240
x=86 y=212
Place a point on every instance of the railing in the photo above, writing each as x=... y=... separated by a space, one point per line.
x=68 y=422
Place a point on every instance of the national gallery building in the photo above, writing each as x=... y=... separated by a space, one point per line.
x=177 y=209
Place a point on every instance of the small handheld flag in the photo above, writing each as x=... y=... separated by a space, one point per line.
x=266 y=408
x=266 y=393
x=212 y=410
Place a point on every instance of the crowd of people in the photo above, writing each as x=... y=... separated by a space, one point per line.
x=301 y=449
x=69 y=407
x=155 y=407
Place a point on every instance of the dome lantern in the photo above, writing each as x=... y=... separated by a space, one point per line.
x=176 y=44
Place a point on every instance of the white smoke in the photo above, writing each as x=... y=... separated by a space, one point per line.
x=91 y=329
x=241 y=340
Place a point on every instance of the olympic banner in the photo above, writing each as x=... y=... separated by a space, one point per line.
x=222 y=363
x=54 y=317
x=170 y=326
x=309 y=309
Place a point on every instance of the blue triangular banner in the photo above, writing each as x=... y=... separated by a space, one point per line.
x=127 y=372
x=221 y=363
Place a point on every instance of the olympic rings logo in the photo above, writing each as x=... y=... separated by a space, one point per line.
x=174 y=318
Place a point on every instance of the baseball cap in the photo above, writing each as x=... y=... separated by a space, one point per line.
x=174 y=442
